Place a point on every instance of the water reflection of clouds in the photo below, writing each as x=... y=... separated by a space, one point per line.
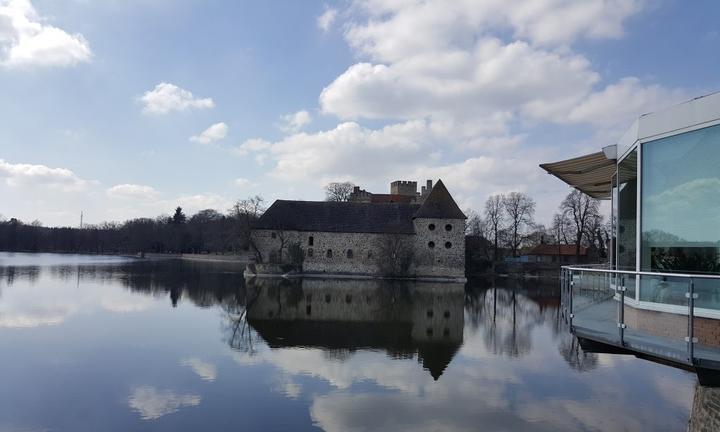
x=498 y=379
x=26 y=305
x=152 y=403
x=205 y=370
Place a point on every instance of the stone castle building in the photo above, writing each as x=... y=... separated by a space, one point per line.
x=404 y=234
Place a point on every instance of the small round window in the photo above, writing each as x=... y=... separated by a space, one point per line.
x=448 y=245
x=431 y=227
x=431 y=244
x=448 y=227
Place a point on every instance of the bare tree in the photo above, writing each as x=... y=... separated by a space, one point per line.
x=495 y=219
x=396 y=255
x=581 y=209
x=560 y=227
x=246 y=212
x=520 y=209
x=475 y=225
x=338 y=191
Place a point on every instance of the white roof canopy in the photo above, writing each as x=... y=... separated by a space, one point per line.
x=590 y=174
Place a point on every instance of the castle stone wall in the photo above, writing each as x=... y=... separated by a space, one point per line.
x=440 y=260
x=357 y=253
x=363 y=249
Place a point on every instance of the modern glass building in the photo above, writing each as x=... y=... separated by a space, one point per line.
x=663 y=178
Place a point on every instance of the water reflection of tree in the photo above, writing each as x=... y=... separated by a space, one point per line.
x=506 y=319
x=238 y=333
x=11 y=273
x=574 y=355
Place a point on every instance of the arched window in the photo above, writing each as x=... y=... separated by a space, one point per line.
x=431 y=227
x=448 y=245
x=311 y=241
x=431 y=244
x=349 y=253
x=448 y=227
x=328 y=253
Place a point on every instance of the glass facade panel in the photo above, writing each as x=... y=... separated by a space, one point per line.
x=681 y=203
x=627 y=212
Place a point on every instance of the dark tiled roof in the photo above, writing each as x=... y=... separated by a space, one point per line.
x=550 y=249
x=390 y=198
x=329 y=216
x=440 y=205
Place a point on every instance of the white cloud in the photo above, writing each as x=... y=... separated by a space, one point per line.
x=63 y=179
x=326 y=20
x=26 y=40
x=615 y=104
x=242 y=183
x=152 y=403
x=252 y=145
x=292 y=123
x=206 y=371
x=133 y=191
x=166 y=97
x=215 y=132
x=460 y=89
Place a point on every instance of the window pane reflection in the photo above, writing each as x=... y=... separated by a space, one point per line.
x=681 y=203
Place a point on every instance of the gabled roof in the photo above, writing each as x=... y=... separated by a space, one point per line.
x=439 y=204
x=346 y=217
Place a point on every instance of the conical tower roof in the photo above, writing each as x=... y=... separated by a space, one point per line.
x=439 y=204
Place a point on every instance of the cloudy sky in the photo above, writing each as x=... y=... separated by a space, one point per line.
x=127 y=108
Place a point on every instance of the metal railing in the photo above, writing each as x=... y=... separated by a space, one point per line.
x=589 y=293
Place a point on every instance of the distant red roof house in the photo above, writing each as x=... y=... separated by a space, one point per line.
x=550 y=249
x=552 y=253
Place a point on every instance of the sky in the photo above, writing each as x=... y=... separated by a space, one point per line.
x=129 y=108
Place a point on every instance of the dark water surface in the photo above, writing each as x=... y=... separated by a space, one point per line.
x=107 y=343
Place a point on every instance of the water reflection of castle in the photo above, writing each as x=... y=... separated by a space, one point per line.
x=342 y=316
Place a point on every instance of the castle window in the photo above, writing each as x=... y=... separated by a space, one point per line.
x=349 y=253
x=431 y=227
x=446 y=332
x=448 y=227
x=328 y=253
x=273 y=235
x=310 y=253
x=430 y=313
x=431 y=244
x=448 y=245
x=327 y=298
x=446 y=314
x=308 y=310
x=348 y=298
x=370 y=255
x=429 y=331
x=311 y=240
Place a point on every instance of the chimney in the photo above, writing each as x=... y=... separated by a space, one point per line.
x=429 y=185
x=422 y=190
x=356 y=189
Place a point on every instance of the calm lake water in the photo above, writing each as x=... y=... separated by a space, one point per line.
x=108 y=343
